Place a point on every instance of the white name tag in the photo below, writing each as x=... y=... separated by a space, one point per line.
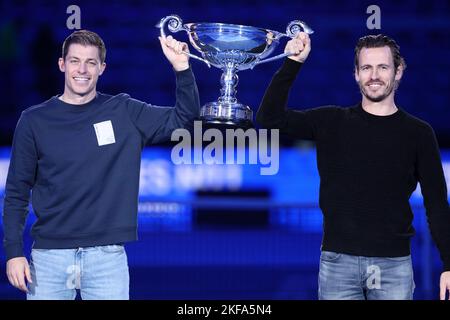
x=105 y=133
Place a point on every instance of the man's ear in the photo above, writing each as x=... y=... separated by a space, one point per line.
x=62 y=66
x=356 y=74
x=102 y=68
x=399 y=72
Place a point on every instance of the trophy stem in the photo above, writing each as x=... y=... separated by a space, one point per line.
x=227 y=110
x=229 y=81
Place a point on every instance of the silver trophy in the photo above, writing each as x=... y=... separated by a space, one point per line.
x=231 y=48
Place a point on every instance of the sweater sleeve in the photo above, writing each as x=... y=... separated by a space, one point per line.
x=434 y=191
x=156 y=123
x=20 y=180
x=273 y=113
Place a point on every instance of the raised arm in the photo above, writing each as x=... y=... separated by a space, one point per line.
x=157 y=123
x=273 y=112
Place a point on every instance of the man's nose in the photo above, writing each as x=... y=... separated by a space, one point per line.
x=374 y=74
x=82 y=68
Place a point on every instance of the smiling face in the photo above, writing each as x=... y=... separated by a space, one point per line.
x=82 y=67
x=376 y=74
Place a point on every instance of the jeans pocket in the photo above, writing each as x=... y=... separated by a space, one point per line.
x=112 y=248
x=398 y=259
x=41 y=252
x=330 y=256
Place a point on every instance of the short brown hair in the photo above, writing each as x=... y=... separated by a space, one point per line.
x=85 y=38
x=378 y=41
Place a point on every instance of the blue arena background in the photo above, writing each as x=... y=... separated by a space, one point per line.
x=226 y=232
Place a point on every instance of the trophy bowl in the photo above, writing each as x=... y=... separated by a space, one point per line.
x=231 y=48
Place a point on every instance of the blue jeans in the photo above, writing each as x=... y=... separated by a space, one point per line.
x=97 y=272
x=348 y=277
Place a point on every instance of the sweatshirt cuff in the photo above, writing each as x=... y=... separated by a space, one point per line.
x=291 y=67
x=185 y=77
x=446 y=263
x=14 y=251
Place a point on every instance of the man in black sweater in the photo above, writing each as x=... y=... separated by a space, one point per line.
x=370 y=158
x=79 y=153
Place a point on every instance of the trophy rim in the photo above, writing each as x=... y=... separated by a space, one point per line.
x=276 y=34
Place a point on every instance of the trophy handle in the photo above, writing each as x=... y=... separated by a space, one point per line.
x=293 y=28
x=175 y=24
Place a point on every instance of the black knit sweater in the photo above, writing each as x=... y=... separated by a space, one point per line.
x=369 y=165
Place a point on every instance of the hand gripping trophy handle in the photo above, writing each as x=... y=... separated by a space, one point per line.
x=232 y=48
x=175 y=24
x=292 y=30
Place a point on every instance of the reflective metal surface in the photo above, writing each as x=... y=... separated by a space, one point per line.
x=231 y=48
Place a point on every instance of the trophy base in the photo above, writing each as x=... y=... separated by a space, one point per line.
x=226 y=113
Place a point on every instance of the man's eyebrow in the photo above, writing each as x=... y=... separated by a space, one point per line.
x=76 y=58
x=378 y=65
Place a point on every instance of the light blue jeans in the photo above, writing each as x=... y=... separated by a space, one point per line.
x=99 y=273
x=348 y=277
